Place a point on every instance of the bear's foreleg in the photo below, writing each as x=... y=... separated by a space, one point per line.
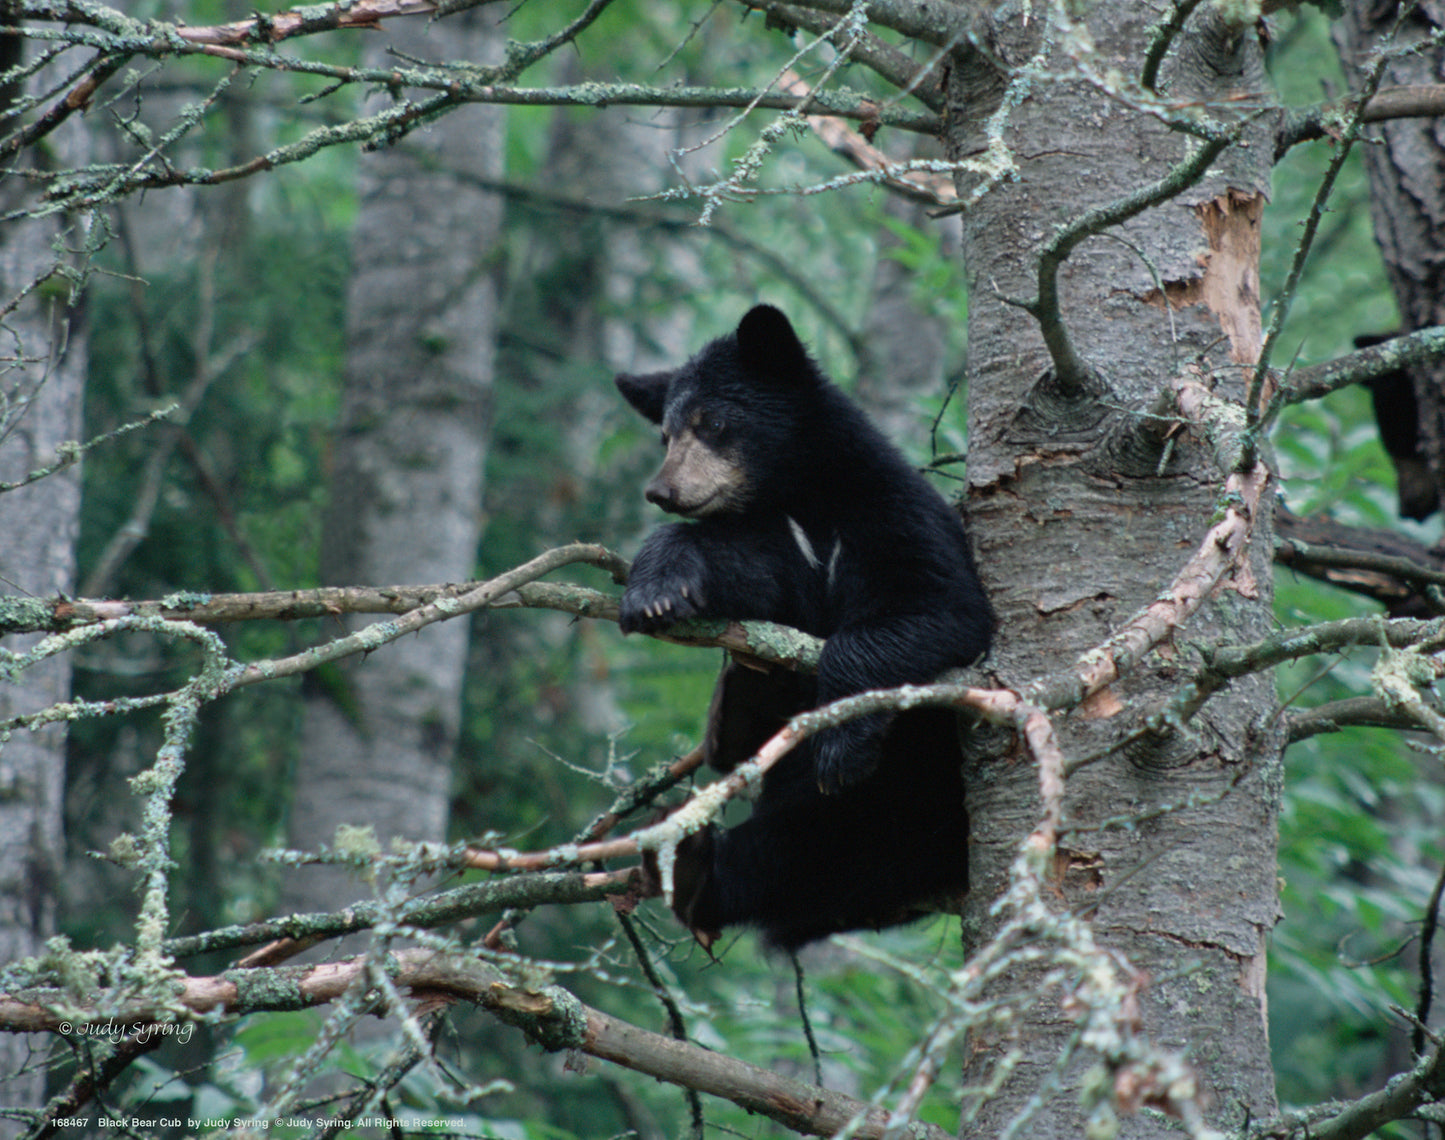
x=711 y=570
x=884 y=653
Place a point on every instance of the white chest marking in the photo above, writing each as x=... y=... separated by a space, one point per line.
x=800 y=536
x=810 y=556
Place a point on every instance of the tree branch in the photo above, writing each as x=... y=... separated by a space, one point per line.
x=549 y=1015
x=766 y=641
x=1169 y=26
x=68 y=454
x=1352 y=712
x=1261 y=417
x=893 y=65
x=54 y=615
x=936 y=189
x=1423 y=346
x=423 y=913
x=1397 y=1100
x=1382 y=564
x=675 y=222
x=1426 y=960
x=1221 y=552
x=1322 y=121
x=117 y=39
x=936 y=24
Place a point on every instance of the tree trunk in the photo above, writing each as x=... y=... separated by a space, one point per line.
x=406 y=503
x=43 y=365
x=1077 y=527
x=1405 y=163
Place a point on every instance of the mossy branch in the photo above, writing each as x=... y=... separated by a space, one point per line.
x=1424 y=346
x=68 y=454
x=1411 y=101
x=548 y=1014
x=426 y=912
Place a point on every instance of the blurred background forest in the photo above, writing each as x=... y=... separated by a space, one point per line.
x=236 y=301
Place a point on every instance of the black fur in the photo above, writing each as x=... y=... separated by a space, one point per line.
x=820 y=524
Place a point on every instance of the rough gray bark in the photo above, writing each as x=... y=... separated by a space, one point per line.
x=42 y=378
x=1075 y=530
x=406 y=503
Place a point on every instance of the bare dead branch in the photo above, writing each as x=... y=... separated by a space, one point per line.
x=934 y=189
x=77 y=99
x=895 y=66
x=1261 y=416
x=1426 y=960
x=1352 y=712
x=1381 y=564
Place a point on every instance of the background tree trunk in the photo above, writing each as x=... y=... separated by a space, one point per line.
x=907 y=346
x=42 y=381
x=1076 y=530
x=378 y=744
x=1405 y=163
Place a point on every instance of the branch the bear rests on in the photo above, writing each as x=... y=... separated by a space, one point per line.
x=803 y=514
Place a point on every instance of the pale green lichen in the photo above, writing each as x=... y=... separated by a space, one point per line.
x=359 y=843
x=125 y=851
x=1239 y=13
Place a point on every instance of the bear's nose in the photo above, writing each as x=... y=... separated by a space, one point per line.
x=662 y=494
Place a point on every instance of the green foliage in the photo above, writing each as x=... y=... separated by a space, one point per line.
x=239 y=509
x=935 y=276
x=1360 y=827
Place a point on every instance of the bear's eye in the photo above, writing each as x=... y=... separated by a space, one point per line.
x=713 y=424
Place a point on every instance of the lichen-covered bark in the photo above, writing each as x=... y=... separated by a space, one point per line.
x=1079 y=521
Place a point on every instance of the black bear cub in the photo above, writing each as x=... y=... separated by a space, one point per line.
x=802 y=513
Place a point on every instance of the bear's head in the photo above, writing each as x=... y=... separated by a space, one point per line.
x=733 y=418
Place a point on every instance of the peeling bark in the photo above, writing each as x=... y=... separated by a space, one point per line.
x=1230 y=287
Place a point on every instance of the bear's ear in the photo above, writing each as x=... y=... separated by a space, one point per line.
x=648 y=394
x=767 y=342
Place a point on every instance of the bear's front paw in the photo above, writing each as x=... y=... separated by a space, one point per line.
x=693 y=886
x=652 y=606
x=848 y=753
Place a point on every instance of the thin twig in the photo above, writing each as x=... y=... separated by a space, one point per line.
x=1427 y=963
x=1259 y=418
